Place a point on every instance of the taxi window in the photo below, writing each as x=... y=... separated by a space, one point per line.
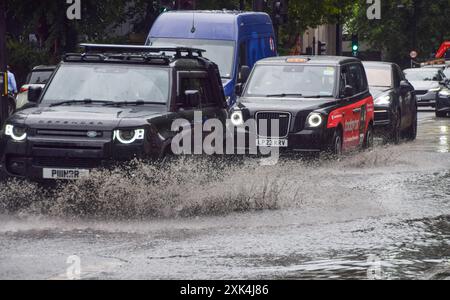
x=354 y=75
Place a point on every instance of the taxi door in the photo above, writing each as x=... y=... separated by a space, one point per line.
x=354 y=109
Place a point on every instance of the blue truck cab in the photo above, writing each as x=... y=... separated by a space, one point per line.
x=235 y=41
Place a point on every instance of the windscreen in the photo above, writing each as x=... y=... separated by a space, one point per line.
x=109 y=82
x=296 y=80
x=423 y=74
x=379 y=76
x=219 y=52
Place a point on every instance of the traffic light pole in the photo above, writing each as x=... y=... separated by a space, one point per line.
x=4 y=92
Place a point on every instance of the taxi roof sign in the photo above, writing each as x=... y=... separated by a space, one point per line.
x=297 y=60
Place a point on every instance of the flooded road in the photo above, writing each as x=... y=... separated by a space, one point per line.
x=383 y=214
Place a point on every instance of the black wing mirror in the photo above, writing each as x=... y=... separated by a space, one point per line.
x=348 y=91
x=239 y=89
x=404 y=85
x=193 y=98
x=244 y=74
x=34 y=93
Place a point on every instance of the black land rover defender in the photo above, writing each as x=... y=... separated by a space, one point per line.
x=110 y=104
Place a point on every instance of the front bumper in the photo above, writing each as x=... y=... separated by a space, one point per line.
x=307 y=140
x=30 y=158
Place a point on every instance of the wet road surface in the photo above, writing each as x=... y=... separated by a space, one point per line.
x=384 y=214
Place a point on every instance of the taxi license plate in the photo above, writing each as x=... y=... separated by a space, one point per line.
x=65 y=174
x=276 y=143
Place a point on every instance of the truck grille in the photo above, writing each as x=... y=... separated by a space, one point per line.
x=284 y=120
x=421 y=92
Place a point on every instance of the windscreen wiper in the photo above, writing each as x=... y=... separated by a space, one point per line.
x=284 y=95
x=136 y=103
x=85 y=101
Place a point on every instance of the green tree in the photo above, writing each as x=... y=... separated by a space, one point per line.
x=404 y=26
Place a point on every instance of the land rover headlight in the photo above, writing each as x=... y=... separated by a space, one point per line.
x=444 y=93
x=434 y=90
x=129 y=136
x=17 y=133
x=237 y=118
x=383 y=100
x=315 y=120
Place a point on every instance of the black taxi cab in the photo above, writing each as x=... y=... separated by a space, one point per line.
x=109 y=104
x=317 y=103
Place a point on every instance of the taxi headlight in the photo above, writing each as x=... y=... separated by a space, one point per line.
x=237 y=118
x=129 y=136
x=17 y=133
x=315 y=120
x=383 y=100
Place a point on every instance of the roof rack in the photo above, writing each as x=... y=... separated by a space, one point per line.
x=103 y=48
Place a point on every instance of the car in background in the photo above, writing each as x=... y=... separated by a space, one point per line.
x=447 y=71
x=235 y=41
x=395 y=102
x=321 y=104
x=427 y=82
x=38 y=77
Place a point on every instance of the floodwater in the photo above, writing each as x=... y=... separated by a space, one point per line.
x=383 y=214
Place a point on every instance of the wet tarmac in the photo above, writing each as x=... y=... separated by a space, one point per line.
x=383 y=214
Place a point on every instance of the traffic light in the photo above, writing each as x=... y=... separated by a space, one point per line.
x=280 y=11
x=186 y=4
x=322 y=48
x=355 y=45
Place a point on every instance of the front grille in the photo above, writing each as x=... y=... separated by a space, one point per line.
x=55 y=162
x=381 y=116
x=284 y=120
x=68 y=133
x=421 y=92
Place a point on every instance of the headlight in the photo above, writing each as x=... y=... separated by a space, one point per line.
x=434 y=90
x=383 y=100
x=237 y=119
x=315 y=120
x=129 y=136
x=18 y=134
x=444 y=93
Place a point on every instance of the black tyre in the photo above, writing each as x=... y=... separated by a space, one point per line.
x=395 y=135
x=411 y=132
x=369 y=139
x=336 y=146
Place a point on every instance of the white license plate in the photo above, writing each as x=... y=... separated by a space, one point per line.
x=65 y=174
x=276 y=143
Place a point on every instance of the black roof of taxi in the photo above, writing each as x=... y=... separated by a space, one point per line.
x=129 y=54
x=310 y=60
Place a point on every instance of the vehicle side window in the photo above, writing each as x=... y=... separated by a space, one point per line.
x=200 y=84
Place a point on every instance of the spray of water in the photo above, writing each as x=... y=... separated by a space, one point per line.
x=188 y=187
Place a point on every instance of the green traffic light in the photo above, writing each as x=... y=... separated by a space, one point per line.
x=355 y=47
